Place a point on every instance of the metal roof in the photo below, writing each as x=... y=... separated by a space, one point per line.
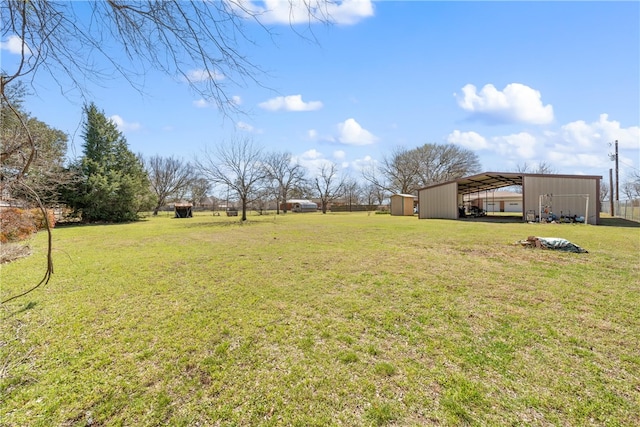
x=488 y=181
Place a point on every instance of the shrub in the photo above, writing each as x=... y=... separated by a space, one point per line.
x=39 y=218
x=18 y=224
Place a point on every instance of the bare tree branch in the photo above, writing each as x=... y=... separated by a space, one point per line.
x=238 y=165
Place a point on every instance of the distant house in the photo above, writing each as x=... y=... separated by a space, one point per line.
x=403 y=204
x=497 y=201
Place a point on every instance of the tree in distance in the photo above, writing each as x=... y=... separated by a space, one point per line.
x=283 y=175
x=237 y=165
x=113 y=184
x=328 y=185
x=169 y=177
x=405 y=171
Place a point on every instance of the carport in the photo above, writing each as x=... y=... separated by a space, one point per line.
x=542 y=194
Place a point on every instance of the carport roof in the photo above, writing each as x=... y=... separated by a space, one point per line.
x=488 y=181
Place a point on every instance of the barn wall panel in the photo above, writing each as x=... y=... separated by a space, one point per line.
x=559 y=187
x=439 y=202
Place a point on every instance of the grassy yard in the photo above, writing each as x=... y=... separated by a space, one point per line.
x=318 y=320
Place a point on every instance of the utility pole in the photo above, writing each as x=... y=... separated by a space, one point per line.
x=614 y=157
x=617 y=176
x=611 y=193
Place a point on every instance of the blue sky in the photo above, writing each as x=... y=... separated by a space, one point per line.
x=515 y=82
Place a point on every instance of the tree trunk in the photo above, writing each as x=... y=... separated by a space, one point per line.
x=244 y=210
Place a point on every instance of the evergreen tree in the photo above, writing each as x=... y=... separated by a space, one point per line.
x=31 y=152
x=114 y=186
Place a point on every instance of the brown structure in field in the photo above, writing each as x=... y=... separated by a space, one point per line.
x=403 y=204
x=183 y=210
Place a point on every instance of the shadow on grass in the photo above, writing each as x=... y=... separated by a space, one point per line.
x=74 y=224
x=27 y=306
x=221 y=224
x=495 y=219
x=618 y=222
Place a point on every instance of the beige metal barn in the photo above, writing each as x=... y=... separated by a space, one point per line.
x=543 y=196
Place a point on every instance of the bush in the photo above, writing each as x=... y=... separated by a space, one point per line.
x=39 y=218
x=18 y=224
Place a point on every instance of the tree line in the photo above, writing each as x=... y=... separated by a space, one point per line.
x=110 y=183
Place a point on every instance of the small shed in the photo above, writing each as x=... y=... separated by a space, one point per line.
x=402 y=204
x=183 y=210
x=300 y=205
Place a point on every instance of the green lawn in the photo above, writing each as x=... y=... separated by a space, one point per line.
x=310 y=319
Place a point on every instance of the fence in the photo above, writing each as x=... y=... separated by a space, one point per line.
x=627 y=209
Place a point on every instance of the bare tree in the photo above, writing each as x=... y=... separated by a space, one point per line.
x=442 y=163
x=169 y=177
x=284 y=176
x=352 y=192
x=604 y=191
x=198 y=190
x=405 y=171
x=69 y=39
x=542 y=168
x=374 y=194
x=397 y=172
x=328 y=185
x=631 y=186
x=238 y=165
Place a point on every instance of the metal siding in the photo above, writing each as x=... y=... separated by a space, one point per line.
x=535 y=186
x=396 y=205
x=401 y=205
x=439 y=202
x=408 y=206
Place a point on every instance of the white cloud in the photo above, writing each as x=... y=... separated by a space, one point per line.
x=290 y=103
x=339 y=155
x=580 y=160
x=314 y=135
x=516 y=103
x=367 y=162
x=200 y=75
x=124 y=126
x=470 y=140
x=346 y=12
x=576 y=147
x=15 y=45
x=201 y=103
x=236 y=100
x=313 y=160
x=351 y=133
x=522 y=145
x=599 y=134
x=312 y=154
